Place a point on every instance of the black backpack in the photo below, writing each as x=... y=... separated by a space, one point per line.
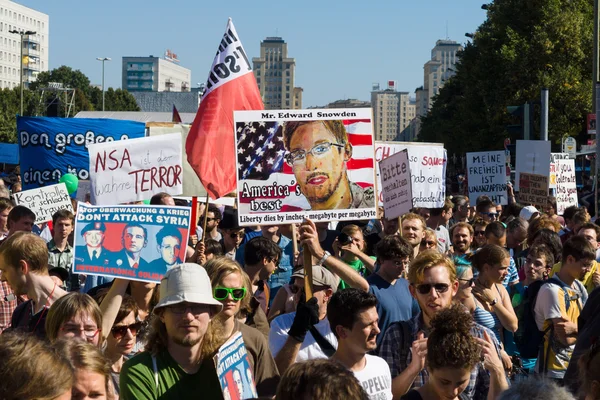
x=528 y=338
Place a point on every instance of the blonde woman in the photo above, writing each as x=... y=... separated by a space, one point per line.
x=231 y=286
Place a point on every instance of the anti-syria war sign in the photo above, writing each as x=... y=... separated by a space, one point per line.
x=487 y=176
x=298 y=164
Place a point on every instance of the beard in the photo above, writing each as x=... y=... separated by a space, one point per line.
x=314 y=199
x=187 y=341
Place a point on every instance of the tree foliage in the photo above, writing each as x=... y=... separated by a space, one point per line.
x=522 y=47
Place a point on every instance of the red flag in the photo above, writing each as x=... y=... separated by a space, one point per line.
x=176 y=116
x=231 y=86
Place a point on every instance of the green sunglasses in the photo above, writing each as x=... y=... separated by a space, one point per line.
x=221 y=293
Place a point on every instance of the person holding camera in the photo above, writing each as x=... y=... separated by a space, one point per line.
x=350 y=247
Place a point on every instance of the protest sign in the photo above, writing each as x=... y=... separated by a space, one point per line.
x=396 y=184
x=532 y=157
x=9 y=153
x=486 y=171
x=45 y=201
x=52 y=147
x=427 y=169
x=84 y=192
x=130 y=241
x=234 y=370
x=533 y=189
x=297 y=164
x=566 y=185
x=135 y=170
x=553 y=170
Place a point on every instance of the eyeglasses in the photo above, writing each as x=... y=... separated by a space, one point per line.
x=236 y=235
x=183 y=308
x=479 y=233
x=88 y=332
x=439 y=288
x=221 y=293
x=319 y=150
x=119 y=331
x=470 y=282
x=491 y=214
x=209 y=219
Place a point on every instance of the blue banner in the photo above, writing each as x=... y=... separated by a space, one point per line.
x=133 y=242
x=9 y=153
x=52 y=147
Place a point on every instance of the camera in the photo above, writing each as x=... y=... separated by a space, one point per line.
x=344 y=239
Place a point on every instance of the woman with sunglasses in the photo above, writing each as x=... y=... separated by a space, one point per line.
x=429 y=241
x=479 y=239
x=75 y=316
x=231 y=286
x=464 y=274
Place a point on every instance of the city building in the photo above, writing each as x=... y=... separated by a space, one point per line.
x=155 y=74
x=274 y=72
x=185 y=102
x=348 y=103
x=392 y=111
x=15 y=17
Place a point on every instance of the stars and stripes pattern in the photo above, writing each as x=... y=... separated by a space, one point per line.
x=260 y=149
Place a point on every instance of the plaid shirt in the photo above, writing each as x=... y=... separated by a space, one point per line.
x=62 y=259
x=398 y=358
x=6 y=307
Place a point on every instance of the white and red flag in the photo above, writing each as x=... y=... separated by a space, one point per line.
x=231 y=86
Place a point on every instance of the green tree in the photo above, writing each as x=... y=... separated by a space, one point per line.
x=522 y=47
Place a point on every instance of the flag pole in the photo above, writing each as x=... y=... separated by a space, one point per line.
x=205 y=216
x=194 y=215
x=308 y=273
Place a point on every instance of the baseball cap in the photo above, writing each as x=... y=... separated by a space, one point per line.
x=528 y=212
x=187 y=282
x=321 y=276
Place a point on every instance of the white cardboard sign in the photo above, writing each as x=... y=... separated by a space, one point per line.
x=45 y=201
x=487 y=176
x=396 y=184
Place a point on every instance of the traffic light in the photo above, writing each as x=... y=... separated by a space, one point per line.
x=520 y=128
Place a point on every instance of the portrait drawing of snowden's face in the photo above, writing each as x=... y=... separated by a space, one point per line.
x=318 y=161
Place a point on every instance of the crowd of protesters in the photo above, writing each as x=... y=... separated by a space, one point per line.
x=461 y=302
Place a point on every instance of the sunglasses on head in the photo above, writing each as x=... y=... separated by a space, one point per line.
x=221 y=293
x=119 y=331
x=426 y=288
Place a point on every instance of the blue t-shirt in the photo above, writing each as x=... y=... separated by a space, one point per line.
x=395 y=303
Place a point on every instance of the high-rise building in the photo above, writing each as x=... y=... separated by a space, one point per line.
x=392 y=111
x=274 y=72
x=155 y=74
x=15 y=17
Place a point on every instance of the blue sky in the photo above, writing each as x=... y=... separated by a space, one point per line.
x=341 y=47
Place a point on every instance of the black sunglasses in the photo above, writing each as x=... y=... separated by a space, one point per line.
x=479 y=233
x=439 y=288
x=119 y=331
x=236 y=235
x=470 y=282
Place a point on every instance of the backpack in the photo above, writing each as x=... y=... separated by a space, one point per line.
x=528 y=338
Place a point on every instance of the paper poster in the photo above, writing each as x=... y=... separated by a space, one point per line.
x=296 y=164
x=52 y=147
x=566 y=185
x=396 y=184
x=486 y=171
x=84 y=192
x=9 y=153
x=533 y=157
x=533 y=189
x=135 y=170
x=234 y=371
x=129 y=241
x=45 y=201
x=553 y=158
x=427 y=168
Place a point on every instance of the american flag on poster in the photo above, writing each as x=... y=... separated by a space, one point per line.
x=261 y=162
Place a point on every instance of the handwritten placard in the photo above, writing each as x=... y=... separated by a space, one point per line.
x=553 y=158
x=487 y=176
x=45 y=201
x=533 y=189
x=566 y=185
x=135 y=170
x=396 y=184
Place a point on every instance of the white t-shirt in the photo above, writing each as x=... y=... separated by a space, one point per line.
x=443 y=239
x=376 y=378
x=310 y=349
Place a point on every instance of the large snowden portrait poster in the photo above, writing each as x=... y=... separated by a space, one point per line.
x=296 y=164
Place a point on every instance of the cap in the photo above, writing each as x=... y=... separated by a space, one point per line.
x=61 y=272
x=528 y=212
x=230 y=219
x=187 y=282
x=94 y=226
x=321 y=276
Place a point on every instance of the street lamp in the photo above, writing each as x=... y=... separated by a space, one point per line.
x=103 y=59
x=22 y=34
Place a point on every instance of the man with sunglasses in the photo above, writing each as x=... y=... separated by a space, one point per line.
x=173 y=367
x=486 y=210
x=233 y=233
x=213 y=218
x=317 y=152
x=433 y=283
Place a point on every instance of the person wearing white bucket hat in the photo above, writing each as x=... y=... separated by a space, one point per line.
x=174 y=365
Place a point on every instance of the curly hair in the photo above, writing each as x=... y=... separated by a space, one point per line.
x=543 y=222
x=451 y=344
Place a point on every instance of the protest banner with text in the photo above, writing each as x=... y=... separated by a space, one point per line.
x=45 y=201
x=427 y=169
x=130 y=241
x=533 y=189
x=52 y=147
x=486 y=171
x=234 y=370
x=396 y=184
x=297 y=164
x=566 y=185
x=553 y=158
x=135 y=170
